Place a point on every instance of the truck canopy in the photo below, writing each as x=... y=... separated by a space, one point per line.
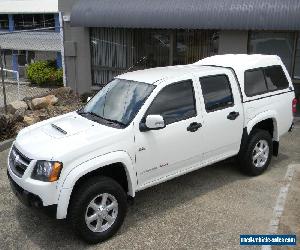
x=242 y=62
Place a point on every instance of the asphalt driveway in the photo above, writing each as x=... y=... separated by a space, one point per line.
x=206 y=209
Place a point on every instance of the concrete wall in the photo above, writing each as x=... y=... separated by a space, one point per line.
x=76 y=52
x=233 y=42
x=78 y=56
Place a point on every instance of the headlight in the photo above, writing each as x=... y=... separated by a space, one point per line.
x=48 y=171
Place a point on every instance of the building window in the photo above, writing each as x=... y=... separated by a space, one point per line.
x=273 y=43
x=297 y=60
x=4 y=23
x=36 y=21
x=192 y=45
x=25 y=57
x=115 y=51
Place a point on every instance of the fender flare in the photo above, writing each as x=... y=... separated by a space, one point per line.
x=269 y=114
x=86 y=167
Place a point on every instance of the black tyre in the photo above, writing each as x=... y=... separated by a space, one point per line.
x=98 y=209
x=256 y=156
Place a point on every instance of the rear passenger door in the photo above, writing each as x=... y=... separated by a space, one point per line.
x=222 y=116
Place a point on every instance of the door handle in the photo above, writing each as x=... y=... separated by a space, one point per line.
x=194 y=126
x=233 y=115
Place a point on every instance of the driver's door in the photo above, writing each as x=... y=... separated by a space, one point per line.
x=164 y=152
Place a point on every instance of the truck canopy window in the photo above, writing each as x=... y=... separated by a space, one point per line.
x=275 y=78
x=262 y=80
x=255 y=83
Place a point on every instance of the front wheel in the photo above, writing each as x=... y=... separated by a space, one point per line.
x=98 y=209
x=256 y=157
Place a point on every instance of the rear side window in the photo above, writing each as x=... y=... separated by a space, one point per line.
x=262 y=80
x=255 y=82
x=216 y=92
x=175 y=102
x=275 y=78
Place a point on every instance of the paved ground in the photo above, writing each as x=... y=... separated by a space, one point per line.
x=206 y=209
x=25 y=91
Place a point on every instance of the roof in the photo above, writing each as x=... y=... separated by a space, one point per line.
x=28 y=6
x=156 y=75
x=188 y=14
x=210 y=65
x=241 y=62
x=31 y=40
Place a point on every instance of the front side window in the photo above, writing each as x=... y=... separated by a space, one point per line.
x=216 y=92
x=255 y=82
x=275 y=78
x=175 y=102
x=119 y=101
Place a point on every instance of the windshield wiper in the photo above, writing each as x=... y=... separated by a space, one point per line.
x=103 y=118
x=114 y=121
x=81 y=112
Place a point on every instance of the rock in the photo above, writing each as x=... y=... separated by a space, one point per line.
x=19 y=115
x=29 y=120
x=15 y=106
x=43 y=117
x=43 y=102
x=7 y=123
x=28 y=102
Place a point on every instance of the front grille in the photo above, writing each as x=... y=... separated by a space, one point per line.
x=18 y=162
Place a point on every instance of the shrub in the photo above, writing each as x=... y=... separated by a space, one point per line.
x=44 y=72
x=58 y=77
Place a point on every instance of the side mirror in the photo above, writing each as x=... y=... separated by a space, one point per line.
x=88 y=99
x=153 y=122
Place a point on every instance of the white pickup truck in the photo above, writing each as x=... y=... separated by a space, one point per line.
x=147 y=127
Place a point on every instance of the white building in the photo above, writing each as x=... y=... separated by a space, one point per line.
x=29 y=31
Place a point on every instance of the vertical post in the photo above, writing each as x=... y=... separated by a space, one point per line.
x=18 y=80
x=172 y=44
x=11 y=23
x=3 y=83
x=15 y=60
x=58 y=60
x=57 y=22
x=62 y=52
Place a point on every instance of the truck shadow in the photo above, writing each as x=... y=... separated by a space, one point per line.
x=49 y=233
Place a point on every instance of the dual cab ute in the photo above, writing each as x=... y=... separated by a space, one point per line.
x=147 y=127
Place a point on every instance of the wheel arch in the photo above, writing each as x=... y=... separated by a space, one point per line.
x=266 y=120
x=92 y=168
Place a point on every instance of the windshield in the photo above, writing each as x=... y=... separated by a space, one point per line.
x=119 y=101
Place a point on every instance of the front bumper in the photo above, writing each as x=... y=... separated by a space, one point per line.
x=29 y=191
x=30 y=199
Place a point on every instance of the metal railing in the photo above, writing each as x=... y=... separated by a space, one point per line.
x=17 y=79
x=20 y=48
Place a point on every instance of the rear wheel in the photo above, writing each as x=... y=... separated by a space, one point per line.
x=256 y=156
x=98 y=209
